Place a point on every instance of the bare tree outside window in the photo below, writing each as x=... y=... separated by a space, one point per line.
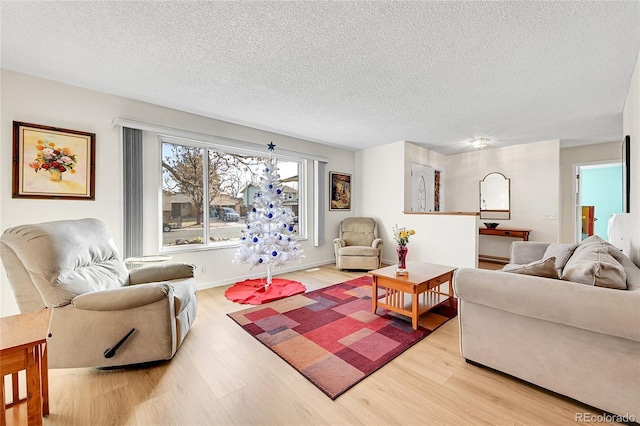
x=230 y=180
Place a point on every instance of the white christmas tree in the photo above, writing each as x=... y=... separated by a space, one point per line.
x=268 y=238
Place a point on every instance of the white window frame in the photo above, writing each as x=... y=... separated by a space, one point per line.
x=231 y=147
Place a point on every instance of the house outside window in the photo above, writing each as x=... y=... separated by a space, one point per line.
x=208 y=190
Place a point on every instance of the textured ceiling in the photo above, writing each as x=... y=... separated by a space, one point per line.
x=349 y=74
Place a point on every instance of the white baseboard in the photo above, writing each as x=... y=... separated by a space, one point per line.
x=293 y=268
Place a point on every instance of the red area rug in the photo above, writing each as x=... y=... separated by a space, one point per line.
x=252 y=292
x=331 y=336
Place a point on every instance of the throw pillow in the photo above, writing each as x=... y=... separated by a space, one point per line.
x=596 y=267
x=562 y=253
x=545 y=268
x=588 y=244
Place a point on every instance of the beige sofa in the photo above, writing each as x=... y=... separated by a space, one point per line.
x=579 y=340
x=74 y=268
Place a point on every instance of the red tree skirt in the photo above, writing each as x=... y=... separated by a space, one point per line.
x=252 y=292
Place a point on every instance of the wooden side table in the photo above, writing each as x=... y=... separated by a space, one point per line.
x=23 y=346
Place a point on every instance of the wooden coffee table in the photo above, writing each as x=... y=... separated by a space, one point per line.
x=402 y=293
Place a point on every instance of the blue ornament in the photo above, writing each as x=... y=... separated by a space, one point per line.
x=284 y=225
x=291 y=229
x=270 y=206
x=279 y=191
x=270 y=215
x=289 y=239
x=274 y=253
x=270 y=186
x=244 y=238
x=266 y=170
x=260 y=260
x=280 y=238
x=255 y=239
x=254 y=210
x=271 y=146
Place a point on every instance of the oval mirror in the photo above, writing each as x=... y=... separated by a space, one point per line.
x=495 y=197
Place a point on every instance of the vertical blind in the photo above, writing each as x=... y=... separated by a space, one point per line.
x=132 y=160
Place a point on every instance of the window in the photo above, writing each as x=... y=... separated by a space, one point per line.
x=207 y=191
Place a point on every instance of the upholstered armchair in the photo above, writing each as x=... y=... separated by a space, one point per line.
x=73 y=267
x=358 y=245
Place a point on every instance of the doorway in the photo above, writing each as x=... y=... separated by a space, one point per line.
x=426 y=188
x=598 y=196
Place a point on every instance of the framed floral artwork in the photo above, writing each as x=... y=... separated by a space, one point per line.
x=53 y=163
x=340 y=191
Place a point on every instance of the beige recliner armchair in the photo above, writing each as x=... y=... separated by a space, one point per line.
x=74 y=268
x=358 y=245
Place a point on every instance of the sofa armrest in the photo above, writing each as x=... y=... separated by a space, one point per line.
x=122 y=298
x=602 y=310
x=161 y=272
x=377 y=243
x=523 y=252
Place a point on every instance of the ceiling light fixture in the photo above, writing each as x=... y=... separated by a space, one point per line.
x=480 y=143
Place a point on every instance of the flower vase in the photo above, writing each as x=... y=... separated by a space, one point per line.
x=56 y=175
x=402 y=258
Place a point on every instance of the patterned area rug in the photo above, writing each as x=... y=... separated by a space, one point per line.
x=331 y=336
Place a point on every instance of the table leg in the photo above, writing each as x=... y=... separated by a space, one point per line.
x=414 y=310
x=3 y=420
x=34 y=400
x=44 y=378
x=451 y=289
x=374 y=294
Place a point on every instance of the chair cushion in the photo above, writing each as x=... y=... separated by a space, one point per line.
x=67 y=258
x=358 y=251
x=358 y=231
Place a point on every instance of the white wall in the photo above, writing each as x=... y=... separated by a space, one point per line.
x=534 y=173
x=569 y=157
x=34 y=100
x=631 y=126
x=381 y=190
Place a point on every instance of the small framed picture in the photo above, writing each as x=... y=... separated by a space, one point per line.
x=53 y=163
x=340 y=191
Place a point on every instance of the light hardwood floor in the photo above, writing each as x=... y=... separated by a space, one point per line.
x=221 y=375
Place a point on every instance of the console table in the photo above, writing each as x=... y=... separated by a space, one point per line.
x=522 y=234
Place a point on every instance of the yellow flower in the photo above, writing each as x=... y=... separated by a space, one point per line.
x=40 y=142
x=72 y=171
x=403 y=234
x=412 y=232
x=40 y=155
x=51 y=144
